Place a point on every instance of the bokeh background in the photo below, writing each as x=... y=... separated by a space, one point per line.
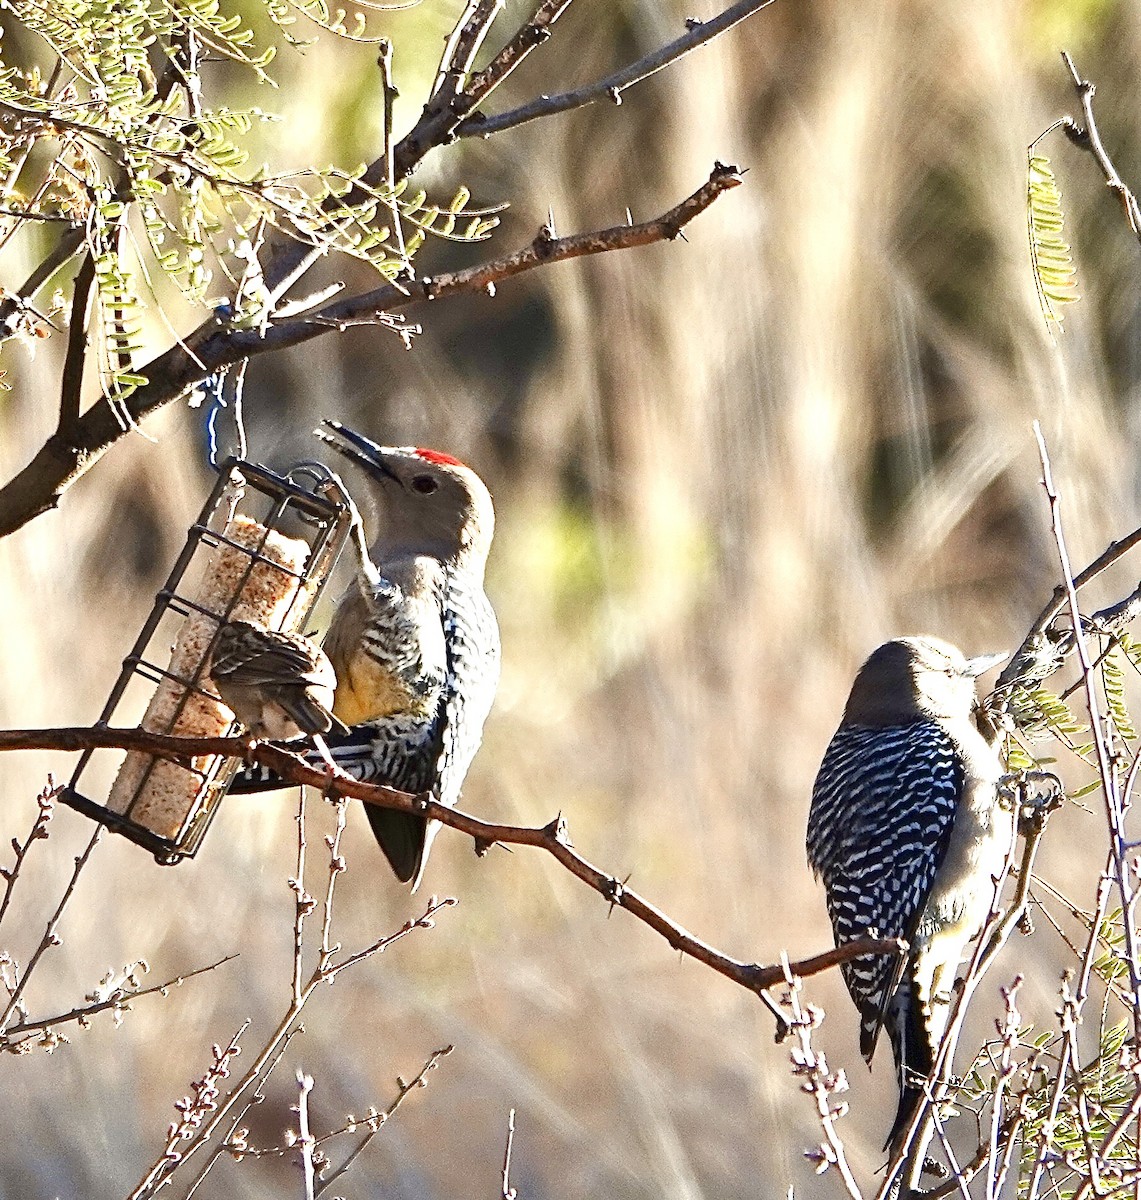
x=724 y=470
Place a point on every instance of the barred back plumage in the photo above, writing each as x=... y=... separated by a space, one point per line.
x=880 y=822
x=907 y=834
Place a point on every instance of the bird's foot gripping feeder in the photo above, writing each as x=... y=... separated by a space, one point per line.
x=261 y=551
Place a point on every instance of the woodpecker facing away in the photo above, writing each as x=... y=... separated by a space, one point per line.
x=907 y=833
x=279 y=685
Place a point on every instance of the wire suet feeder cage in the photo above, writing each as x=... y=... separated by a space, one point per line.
x=261 y=550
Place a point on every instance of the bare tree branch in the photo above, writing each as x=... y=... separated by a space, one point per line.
x=1088 y=138
x=462 y=46
x=200 y=1122
x=611 y=87
x=51 y=935
x=375 y=1124
x=1042 y=653
x=553 y=837
x=908 y=1161
x=527 y=37
x=215 y=344
x=45 y=802
x=69 y=245
x=71 y=386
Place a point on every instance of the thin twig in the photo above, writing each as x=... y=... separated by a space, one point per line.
x=611 y=86
x=1106 y=769
x=305 y=1138
x=189 y=1136
x=302 y=901
x=1088 y=138
x=377 y=1121
x=71 y=386
x=1022 y=661
x=51 y=935
x=45 y=802
x=506 y=1190
x=1119 y=871
x=526 y=38
x=995 y=935
x=336 y=866
x=194 y=1125
x=384 y=61
x=118 y=999
x=233 y=1142
x=69 y=244
x=810 y=1066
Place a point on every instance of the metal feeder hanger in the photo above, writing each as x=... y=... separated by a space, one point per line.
x=263 y=548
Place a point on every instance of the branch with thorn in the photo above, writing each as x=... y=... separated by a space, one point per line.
x=217 y=344
x=554 y=838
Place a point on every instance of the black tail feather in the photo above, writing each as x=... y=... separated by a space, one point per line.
x=914 y=1058
x=401 y=836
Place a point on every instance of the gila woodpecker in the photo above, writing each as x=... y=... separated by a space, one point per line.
x=908 y=835
x=414 y=641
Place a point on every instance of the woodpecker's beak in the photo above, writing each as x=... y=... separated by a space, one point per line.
x=361 y=450
x=983 y=662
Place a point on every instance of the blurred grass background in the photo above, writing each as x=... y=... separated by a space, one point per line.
x=724 y=471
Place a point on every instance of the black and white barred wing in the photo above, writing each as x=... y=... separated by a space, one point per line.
x=471 y=636
x=878 y=829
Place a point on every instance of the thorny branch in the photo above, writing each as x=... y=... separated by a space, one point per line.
x=450 y=112
x=611 y=87
x=40 y=485
x=542 y=251
x=553 y=837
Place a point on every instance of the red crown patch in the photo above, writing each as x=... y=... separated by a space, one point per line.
x=435 y=456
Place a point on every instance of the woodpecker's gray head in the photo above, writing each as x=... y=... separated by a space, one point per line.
x=913 y=678
x=427 y=502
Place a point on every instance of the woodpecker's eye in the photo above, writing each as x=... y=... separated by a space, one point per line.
x=424 y=484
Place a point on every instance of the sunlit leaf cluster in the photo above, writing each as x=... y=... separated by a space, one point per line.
x=1050 y=256
x=108 y=140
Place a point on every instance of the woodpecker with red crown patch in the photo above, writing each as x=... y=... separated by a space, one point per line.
x=414 y=641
